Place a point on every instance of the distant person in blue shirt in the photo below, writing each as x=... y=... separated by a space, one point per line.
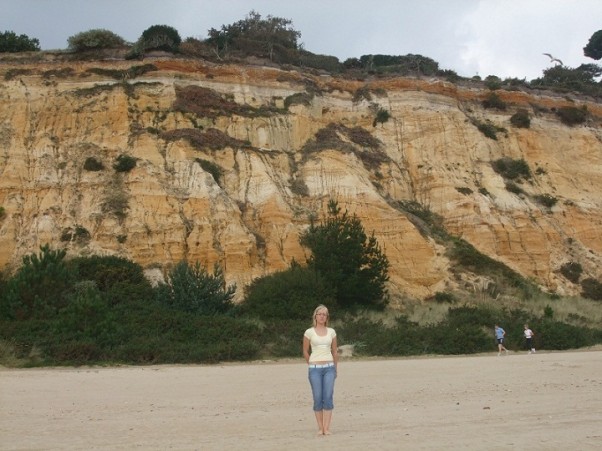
x=499 y=337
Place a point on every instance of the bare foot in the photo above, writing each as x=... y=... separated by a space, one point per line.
x=320 y=432
x=326 y=432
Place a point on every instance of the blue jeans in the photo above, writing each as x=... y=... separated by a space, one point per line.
x=322 y=387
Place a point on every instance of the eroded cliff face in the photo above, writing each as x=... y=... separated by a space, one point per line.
x=287 y=142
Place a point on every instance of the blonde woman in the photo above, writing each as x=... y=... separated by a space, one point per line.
x=322 y=362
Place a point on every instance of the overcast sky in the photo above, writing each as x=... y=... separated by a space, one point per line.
x=472 y=37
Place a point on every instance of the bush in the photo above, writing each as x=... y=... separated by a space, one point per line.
x=92 y=164
x=119 y=280
x=192 y=289
x=288 y=294
x=494 y=101
x=546 y=200
x=572 y=271
x=214 y=169
x=591 y=289
x=521 y=119
x=444 y=297
x=11 y=43
x=160 y=37
x=79 y=234
x=514 y=188
x=95 y=39
x=571 y=115
x=323 y=62
x=556 y=335
x=493 y=82
x=124 y=163
x=2 y=213
x=512 y=169
x=299 y=98
x=382 y=116
x=38 y=288
x=488 y=129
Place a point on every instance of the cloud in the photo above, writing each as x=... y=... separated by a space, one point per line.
x=485 y=37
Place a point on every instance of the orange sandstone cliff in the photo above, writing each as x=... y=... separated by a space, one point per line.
x=286 y=142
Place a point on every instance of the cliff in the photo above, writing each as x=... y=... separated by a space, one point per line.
x=233 y=160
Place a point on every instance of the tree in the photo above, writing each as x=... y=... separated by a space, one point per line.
x=94 y=40
x=11 y=43
x=192 y=289
x=256 y=36
x=348 y=259
x=593 y=49
x=39 y=287
x=160 y=37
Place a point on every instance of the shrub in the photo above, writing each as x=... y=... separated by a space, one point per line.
x=11 y=74
x=488 y=129
x=197 y=48
x=494 y=101
x=212 y=138
x=465 y=255
x=323 y=62
x=214 y=169
x=124 y=163
x=119 y=280
x=95 y=39
x=160 y=37
x=514 y=188
x=591 y=289
x=39 y=286
x=192 y=289
x=116 y=202
x=299 y=98
x=521 y=119
x=2 y=213
x=362 y=93
x=288 y=294
x=121 y=74
x=443 y=297
x=92 y=164
x=493 y=82
x=556 y=335
x=546 y=200
x=572 y=271
x=11 y=43
x=571 y=115
x=427 y=222
x=382 y=116
x=79 y=234
x=299 y=187
x=511 y=169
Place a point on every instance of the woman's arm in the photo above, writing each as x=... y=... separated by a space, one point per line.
x=335 y=352
x=306 y=348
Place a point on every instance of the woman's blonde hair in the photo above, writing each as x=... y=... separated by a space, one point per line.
x=317 y=310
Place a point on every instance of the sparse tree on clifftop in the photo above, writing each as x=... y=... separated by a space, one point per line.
x=255 y=36
x=593 y=49
x=11 y=43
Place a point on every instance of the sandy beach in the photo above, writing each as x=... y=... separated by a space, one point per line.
x=544 y=401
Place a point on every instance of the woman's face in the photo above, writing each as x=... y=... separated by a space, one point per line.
x=321 y=316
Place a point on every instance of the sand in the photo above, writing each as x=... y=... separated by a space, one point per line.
x=545 y=401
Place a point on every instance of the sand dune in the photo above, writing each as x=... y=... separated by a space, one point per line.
x=545 y=401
